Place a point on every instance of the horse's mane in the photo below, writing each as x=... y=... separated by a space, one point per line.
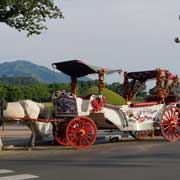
x=45 y=112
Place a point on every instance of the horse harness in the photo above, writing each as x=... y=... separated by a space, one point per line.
x=24 y=107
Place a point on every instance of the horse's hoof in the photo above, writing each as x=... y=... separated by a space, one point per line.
x=29 y=149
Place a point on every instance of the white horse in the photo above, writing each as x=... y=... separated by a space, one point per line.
x=30 y=109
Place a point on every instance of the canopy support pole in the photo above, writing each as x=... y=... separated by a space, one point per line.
x=74 y=85
x=101 y=81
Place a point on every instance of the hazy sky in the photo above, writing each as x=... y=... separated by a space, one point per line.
x=128 y=34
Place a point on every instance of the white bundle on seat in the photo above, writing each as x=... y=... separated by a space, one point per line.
x=84 y=106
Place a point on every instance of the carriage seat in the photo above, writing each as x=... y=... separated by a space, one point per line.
x=151 y=98
x=84 y=105
x=172 y=98
x=144 y=104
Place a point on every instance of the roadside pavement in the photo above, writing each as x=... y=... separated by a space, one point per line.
x=14 y=130
x=13 y=134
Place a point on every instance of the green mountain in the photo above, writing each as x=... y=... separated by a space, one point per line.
x=18 y=80
x=23 y=68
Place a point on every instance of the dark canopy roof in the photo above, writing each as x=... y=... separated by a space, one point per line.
x=77 y=68
x=142 y=75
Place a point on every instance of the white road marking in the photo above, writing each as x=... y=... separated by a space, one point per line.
x=3 y=171
x=19 y=177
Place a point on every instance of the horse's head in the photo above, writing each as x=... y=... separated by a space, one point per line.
x=3 y=106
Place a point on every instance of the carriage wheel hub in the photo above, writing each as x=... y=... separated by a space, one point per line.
x=173 y=123
x=82 y=132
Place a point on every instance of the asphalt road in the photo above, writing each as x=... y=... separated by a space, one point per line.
x=124 y=160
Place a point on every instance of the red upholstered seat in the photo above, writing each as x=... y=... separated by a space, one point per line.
x=144 y=104
x=171 y=99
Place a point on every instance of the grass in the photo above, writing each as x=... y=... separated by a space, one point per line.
x=48 y=104
x=111 y=97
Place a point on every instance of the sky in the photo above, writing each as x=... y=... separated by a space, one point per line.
x=129 y=34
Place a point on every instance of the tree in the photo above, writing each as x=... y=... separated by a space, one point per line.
x=2 y=92
x=28 y=92
x=13 y=93
x=28 y=15
x=59 y=86
x=116 y=87
x=40 y=92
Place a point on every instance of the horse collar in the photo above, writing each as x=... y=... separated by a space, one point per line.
x=24 y=107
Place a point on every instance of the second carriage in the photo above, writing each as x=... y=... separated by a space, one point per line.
x=80 y=117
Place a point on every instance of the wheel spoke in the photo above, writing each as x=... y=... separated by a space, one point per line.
x=165 y=124
x=169 y=115
x=73 y=134
x=167 y=118
x=87 y=140
x=88 y=136
x=74 y=130
x=89 y=130
x=77 y=140
x=168 y=132
x=164 y=129
x=176 y=117
x=172 y=112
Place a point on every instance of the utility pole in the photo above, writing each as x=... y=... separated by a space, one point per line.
x=177 y=39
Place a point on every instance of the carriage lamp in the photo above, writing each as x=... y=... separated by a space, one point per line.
x=177 y=40
x=129 y=103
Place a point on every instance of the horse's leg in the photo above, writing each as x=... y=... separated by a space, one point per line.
x=33 y=134
x=1 y=143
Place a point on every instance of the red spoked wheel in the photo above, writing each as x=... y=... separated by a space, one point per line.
x=170 y=124
x=60 y=134
x=81 y=132
x=139 y=135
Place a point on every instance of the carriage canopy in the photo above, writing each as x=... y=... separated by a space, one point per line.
x=151 y=74
x=77 y=68
x=165 y=82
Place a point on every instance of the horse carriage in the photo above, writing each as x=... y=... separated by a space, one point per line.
x=78 y=118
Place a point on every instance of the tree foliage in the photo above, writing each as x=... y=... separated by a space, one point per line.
x=42 y=92
x=18 y=80
x=13 y=93
x=28 y=15
x=2 y=92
